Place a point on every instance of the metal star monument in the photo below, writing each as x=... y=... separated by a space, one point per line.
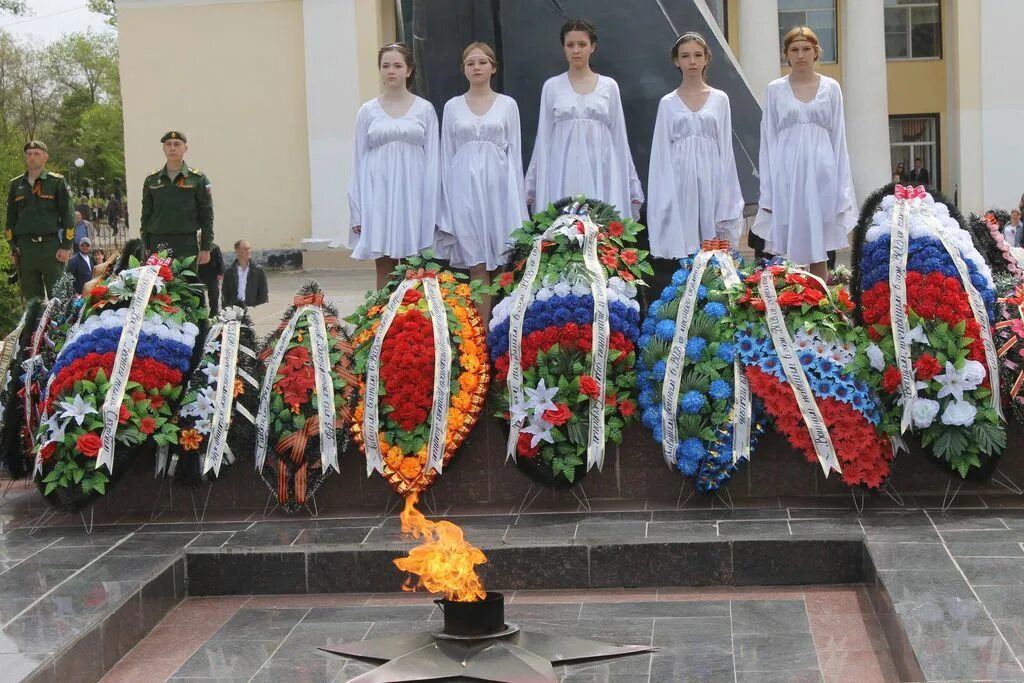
x=511 y=655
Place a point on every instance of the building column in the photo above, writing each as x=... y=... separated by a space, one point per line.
x=332 y=101
x=760 y=52
x=865 y=94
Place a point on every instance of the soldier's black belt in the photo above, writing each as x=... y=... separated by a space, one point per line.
x=37 y=239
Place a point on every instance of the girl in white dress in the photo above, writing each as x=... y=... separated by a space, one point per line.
x=393 y=194
x=807 y=203
x=693 y=189
x=581 y=145
x=482 y=195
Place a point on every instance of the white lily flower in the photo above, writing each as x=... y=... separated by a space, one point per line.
x=539 y=399
x=77 y=410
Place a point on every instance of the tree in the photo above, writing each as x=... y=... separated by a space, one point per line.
x=17 y=6
x=105 y=7
x=84 y=60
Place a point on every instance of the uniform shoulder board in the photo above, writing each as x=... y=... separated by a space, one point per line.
x=17 y=178
x=56 y=175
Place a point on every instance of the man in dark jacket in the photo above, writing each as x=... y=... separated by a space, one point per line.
x=245 y=283
x=80 y=265
x=920 y=175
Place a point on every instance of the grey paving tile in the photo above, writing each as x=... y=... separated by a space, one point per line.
x=984 y=536
x=1002 y=602
x=912 y=556
x=787 y=676
x=153 y=544
x=185 y=527
x=657 y=610
x=826 y=528
x=232 y=659
x=784 y=652
x=541 y=533
x=993 y=571
x=680 y=665
x=925 y=586
x=898 y=527
x=211 y=539
x=968 y=549
x=685 y=515
x=265 y=535
x=769 y=617
x=682 y=530
x=16 y=667
x=368 y=613
x=967 y=520
x=609 y=531
x=752 y=529
x=299 y=659
x=700 y=634
x=260 y=624
x=347 y=535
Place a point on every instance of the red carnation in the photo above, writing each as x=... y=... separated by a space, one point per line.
x=505 y=279
x=166 y=274
x=559 y=416
x=99 y=291
x=138 y=395
x=813 y=296
x=411 y=296
x=88 y=445
x=891 y=379
x=627 y=408
x=147 y=425
x=615 y=229
x=156 y=402
x=589 y=386
x=927 y=367
x=523 y=446
x=123 y=415
x=629 y=257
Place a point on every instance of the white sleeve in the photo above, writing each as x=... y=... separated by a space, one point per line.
x=513 y=131
x=359 y=151
x=536 y=174
x=432 y=167
x=764 y=164
x=846 y=198
x=729 y=209
x=447 y=154
x=660 y=180
x=620 y=146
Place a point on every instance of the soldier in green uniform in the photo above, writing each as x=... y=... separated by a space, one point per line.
x=40 y=223
x=177 y=203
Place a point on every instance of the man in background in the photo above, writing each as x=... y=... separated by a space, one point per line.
x=920 y=175
x=80 y=265
x=245 y=283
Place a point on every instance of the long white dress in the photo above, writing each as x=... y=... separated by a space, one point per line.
x=483 y=198
x=394 y=189
x=693 y=190
x=581 y=148
x=805 y=173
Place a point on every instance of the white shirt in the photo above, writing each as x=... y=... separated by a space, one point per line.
x=1010 y=234
x=243 y=280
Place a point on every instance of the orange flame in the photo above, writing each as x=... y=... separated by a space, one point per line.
x=444 y=562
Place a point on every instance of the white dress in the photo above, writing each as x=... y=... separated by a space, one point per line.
x=393 y=192
x=482 y=194
x=693 y=189
x=805 y=173
x=581 y=148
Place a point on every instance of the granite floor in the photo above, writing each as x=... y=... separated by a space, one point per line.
x=826 y=633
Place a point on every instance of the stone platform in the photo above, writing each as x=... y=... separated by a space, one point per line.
x=944 y=586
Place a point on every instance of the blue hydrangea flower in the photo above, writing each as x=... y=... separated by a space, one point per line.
x=679 y=277
x=690 y=454
x=652 y=310
x=720 y=390
x=646 y=399
x=715 y=309
x=695 y=347
x=692 y=402
x=651 y=417
x=806 y=358
x=823 y=387
x=726 y=351
x=666 y=330
x=702 y=293
x=669 y=294
x=658 y=371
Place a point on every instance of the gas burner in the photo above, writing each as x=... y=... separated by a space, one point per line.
x=476 y=643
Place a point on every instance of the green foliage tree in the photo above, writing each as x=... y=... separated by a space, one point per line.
x=67 y=93
x=105 y=7
x=20 y=6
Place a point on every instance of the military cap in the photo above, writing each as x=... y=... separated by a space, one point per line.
x=174 y=135
x=34 y=144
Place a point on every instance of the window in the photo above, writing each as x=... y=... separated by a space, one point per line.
x=914 y=137
x=913 y=29
x=820 y=15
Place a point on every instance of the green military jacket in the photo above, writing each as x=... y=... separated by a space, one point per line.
x=41 y=209
x=178 y=207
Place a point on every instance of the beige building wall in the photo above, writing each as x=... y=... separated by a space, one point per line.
x=231 y=76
